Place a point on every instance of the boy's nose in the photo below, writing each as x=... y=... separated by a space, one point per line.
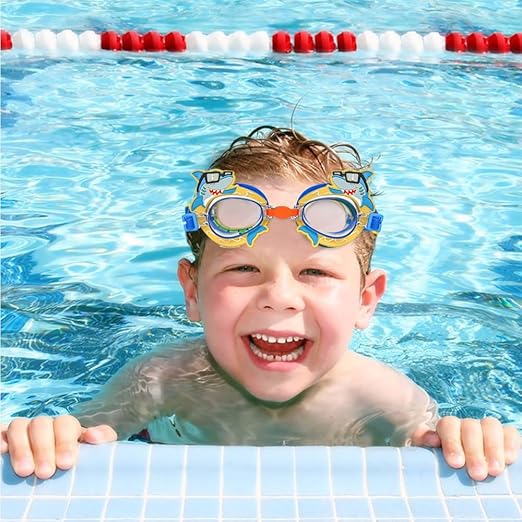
x=280 y=293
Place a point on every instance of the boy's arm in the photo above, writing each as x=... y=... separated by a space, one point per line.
x=146 y=388
x=124 y=406
x=483 y=446
x=128 y=401
x=42 y=444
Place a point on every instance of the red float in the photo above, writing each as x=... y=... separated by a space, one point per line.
x=477 y=43
x=455 y=42
x=6 y=42
x=324 y=42
x=281 y=42
x=303 y=42
x=515 y=43
x=153 y=41
x=132 y=41
x=346 y=42
x=175 y=42
x=110 y=41
x=498 y=43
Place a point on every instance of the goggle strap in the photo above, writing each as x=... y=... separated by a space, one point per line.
x=190 y=221
x=252 y=188
x=312 y=188
x=374 y=222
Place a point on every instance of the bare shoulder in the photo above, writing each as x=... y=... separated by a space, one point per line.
x=380 y=384
x=187 y=359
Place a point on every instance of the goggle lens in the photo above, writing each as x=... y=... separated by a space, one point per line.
x=234 y=215
x=330 y=216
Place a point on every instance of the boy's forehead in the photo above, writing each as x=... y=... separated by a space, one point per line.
x=281 y=177
x=281 y=191
x=288 y=244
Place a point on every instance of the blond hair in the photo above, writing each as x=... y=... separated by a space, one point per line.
x=285 y=155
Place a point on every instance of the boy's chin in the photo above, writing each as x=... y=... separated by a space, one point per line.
x=276 y=397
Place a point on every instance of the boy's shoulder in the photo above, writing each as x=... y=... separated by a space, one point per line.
x=179 y=359
x=374 y=386
x=377 y=383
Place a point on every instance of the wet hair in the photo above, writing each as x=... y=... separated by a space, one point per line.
x=285 y=155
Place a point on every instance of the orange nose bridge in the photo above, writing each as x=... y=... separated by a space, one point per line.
x=282 y=212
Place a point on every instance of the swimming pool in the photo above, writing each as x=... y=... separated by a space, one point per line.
x=96 y=148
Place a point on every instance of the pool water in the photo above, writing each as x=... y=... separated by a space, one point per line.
x=97 y=151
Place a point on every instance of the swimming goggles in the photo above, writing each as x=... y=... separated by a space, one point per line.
x=328 y=214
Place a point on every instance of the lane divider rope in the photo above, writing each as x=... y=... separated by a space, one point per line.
x=260 y=42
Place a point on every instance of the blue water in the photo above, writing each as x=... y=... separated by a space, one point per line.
x=96 y=154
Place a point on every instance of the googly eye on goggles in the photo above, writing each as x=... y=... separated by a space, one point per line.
x=328 y=214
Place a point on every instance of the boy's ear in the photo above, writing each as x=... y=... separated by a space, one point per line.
x=374 y=288
x=187 y=278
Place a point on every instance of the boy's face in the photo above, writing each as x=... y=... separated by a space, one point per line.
x=279 y=315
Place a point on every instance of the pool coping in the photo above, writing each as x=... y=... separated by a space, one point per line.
x=136 y=481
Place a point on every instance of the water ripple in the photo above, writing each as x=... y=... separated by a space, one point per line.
x=97 y=156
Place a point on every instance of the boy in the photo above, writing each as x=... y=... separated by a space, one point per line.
x=281 y=278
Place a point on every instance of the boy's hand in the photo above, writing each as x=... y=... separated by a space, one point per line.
x=43 y=444
x=484 y=446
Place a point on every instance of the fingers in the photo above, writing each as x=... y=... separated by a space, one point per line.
x=20 y=447
x=42 y=444
x=484 y=446
x=512 y=442
x=98 y=435
x=41 y=439
x=473 y=446
x=427 y=438
x=67 y=431
x=448 y=429
x=494 y=447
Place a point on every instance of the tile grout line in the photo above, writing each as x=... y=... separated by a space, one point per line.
x=442 y=496
x=147 y=483
x=183 y=485
x=510 y=490
x=71 y=487
x=365 y=484
x=330 y=482
x=30 y=499
x=480 y=500
x=258 y=484
x=402 y=485
x=294 y=480
x=477 y=494
x=482 y=508
x=109 y=484
x=221 y=482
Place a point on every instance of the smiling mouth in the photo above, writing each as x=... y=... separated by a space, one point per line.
x=278 y=349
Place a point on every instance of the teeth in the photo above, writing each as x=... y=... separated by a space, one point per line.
x=287 y=357
x=279 y=340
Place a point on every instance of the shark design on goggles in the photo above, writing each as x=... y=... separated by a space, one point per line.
x=328 y=214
